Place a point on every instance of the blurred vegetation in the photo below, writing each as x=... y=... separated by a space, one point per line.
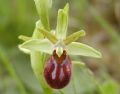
x=101 y=21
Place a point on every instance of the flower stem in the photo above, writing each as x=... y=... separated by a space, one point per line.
x=37 y=63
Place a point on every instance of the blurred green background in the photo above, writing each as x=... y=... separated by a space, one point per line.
x=101 y=21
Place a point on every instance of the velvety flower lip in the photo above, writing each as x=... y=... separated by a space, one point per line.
x=57 y=70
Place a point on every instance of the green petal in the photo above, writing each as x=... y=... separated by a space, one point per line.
x=62 y=22
x=76 y=48
x=74 y=37
x=24 y=38
x=37 y=45
x=48 y=35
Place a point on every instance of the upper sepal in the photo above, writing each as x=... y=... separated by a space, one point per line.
x=62 y=22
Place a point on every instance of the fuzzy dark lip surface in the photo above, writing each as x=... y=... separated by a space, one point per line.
x=57 y=70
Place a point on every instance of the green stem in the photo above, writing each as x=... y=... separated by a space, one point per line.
x=11 y=72
x=37 y=63
x=73 y=85
x=37 y=58
x=61 y=92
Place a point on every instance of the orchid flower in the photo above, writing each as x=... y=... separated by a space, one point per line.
x=58 y=46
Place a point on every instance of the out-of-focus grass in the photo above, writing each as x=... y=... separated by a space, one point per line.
x=99 y=18
x=7 y=65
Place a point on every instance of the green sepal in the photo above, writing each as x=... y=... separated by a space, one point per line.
x=76 y=48
x=39 y=45
x=62 y=22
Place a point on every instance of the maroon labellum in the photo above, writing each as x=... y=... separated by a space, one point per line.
x=57 y=71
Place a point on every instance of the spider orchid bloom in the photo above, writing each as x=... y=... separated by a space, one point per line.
x=57 y=69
